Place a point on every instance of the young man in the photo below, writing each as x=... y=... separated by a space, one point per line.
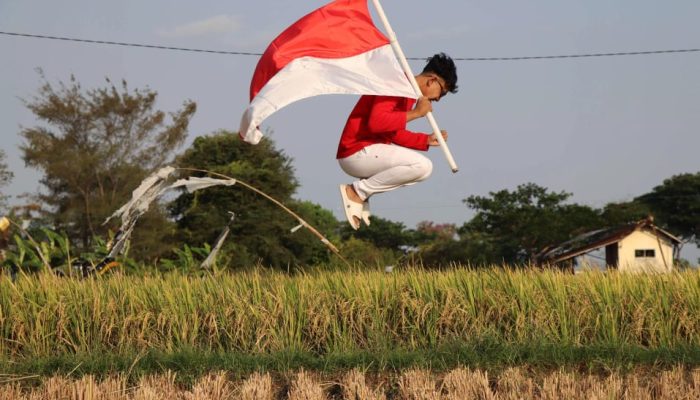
x=375 y=146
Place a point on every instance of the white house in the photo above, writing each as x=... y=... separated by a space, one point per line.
x=637 y=247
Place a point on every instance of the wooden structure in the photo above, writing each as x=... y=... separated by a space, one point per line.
x=636 y=247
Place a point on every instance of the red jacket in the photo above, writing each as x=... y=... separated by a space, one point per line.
x=379 y=119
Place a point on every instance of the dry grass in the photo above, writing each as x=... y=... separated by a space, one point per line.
x=514 y=383
x=418 y=385
x=355 y=387
x=306 y=387
x=257 y=387
x=466 y=384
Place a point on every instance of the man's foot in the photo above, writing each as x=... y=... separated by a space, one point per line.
x=352 y=204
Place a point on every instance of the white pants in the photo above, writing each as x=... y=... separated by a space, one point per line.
x=385 y=167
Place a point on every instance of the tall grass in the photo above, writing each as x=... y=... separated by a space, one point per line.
x=334 y=312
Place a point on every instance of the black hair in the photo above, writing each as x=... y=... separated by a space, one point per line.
x=442 y=65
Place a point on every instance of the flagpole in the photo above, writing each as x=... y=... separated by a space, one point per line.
x=407 y=69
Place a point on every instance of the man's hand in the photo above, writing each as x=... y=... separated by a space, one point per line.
x=433 y=141
x=422 y=107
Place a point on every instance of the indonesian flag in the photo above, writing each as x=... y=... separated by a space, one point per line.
x=333 y=50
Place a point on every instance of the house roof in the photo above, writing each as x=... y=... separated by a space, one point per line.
x=599 y=238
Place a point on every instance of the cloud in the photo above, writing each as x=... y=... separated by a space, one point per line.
x=214 y=25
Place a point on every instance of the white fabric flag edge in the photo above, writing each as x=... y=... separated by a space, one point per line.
x=376 y=72
x=193 y=183
x=136 y=202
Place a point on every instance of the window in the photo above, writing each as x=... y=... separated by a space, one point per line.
x=645 y=253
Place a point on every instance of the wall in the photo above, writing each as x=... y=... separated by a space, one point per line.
x=645 y=240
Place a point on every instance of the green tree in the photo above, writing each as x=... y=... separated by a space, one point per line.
x=472 y=249
x=261 y=231
x=676 y=205
x=5 y=178
x=382 y=233
x=95 y=147
x=614 y=214
x=438 y=245
x=515 y=226
x=428 y=231
x=306 y=247
x=362 y=253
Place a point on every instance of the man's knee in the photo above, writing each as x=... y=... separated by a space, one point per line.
x=424 y=167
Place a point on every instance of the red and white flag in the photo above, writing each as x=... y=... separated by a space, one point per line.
x=333 y=50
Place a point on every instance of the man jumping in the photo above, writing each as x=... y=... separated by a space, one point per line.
x=375 y=146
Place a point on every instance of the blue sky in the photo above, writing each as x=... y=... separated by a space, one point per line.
x=606 y=129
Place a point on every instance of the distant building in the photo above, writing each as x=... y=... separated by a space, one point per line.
x=637 y=247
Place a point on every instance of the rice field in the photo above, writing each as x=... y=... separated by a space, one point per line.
x=459 y=384
x=328 y=312
x=334 y=321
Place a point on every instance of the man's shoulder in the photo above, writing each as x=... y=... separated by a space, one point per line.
x=385 y=97
x=373 y=99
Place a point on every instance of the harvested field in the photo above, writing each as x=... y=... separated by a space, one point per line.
x=511 y=384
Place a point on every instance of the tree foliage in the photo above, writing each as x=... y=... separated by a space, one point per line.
x=5 y=178
x=382 y=233
x=94 y=147
x=676 y=205
x=362 y=253
x=443 y=252
x=261 y=231
x=306 y=247
x=513 y=226
x=428 y=231
x=615 y=214
x=438 y=245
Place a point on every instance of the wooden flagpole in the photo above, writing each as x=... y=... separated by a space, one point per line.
x=407 y=69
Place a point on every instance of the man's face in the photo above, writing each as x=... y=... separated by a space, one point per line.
x=435 y=88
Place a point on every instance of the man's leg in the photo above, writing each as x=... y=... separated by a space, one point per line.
x=384 y=167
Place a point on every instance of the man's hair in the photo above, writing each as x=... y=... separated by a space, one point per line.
x=442 y=65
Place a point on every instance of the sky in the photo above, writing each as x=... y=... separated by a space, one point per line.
x=606 y=129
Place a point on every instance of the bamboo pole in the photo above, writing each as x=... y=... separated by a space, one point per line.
x=306 y=225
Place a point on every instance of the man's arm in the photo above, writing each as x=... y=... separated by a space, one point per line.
x=423 y=106
x=384 y=115
x=412 y=140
